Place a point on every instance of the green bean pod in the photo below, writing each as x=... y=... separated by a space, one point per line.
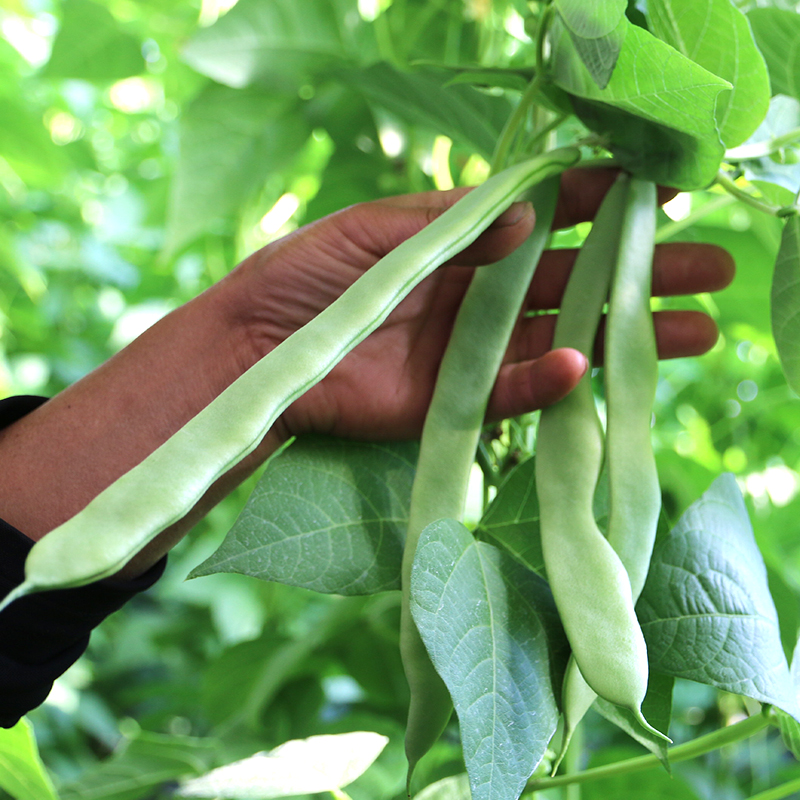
x=631 y=374
x=589 y=582
x=99 y=540
x=450 y=436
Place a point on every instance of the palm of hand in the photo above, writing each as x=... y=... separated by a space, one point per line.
x=382 y=389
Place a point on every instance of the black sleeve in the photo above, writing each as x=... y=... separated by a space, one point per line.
x=42 y=635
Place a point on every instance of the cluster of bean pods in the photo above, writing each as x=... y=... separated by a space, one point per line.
x=595 y=578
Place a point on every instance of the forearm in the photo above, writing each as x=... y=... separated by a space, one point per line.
x=56 y=459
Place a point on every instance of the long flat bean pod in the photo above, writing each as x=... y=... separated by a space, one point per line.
x=450 y=436
x=588 y=580
x=630 y=375
x=122 y=519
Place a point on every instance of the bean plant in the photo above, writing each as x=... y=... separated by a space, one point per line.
x=565 y=587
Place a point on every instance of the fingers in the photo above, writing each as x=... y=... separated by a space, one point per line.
x=678 y=269
x=377 y=228
x=542 y=377
x=678 y=334
x=524 y=387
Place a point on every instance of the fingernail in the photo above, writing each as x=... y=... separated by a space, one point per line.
x=516 y=213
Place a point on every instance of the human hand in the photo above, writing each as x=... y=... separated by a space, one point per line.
x=383 y=388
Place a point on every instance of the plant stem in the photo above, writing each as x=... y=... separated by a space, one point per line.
x=784 y=790
x=683 y=752
x=517 y=119
x=730 y=186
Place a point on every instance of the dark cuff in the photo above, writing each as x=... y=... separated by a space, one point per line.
x=42 y=635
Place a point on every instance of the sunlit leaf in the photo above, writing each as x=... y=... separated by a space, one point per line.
x=230 y=141
x=283 y=40
x=301 y=766
x=465 y=114
x=93 y=46
x=657 y=111
x=22 y=773
x=717 y=36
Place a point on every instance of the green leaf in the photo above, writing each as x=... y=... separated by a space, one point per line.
x=92 y=46
x=657 y=112
x=777 y=34
x=786 y=301
x=230 y=142
x=494 y=636
x=148 y=762
x=600 y=54
x=592 y=20
x=22 y=774
x=302 y=766
x=706 y=611
x=657 y=710
x=456 y=787
x=468 y=116
x=717 y=36
x=512 y=518
x=328 y=515
x=765 y=160
x=281 y=40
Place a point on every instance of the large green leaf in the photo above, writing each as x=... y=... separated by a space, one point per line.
x=301 y=766
x=706 y=611
x=592 y=20
x=493 y=634
x=717 y=36
x=465 y=114
x=657 y=112
x=786 y=302
x=92 y=46
x=22 y=774
x=230 y=141
x=328 y=515
x=777 y=33
x=286 y=40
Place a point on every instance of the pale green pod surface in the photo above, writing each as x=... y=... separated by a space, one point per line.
x=130 y=513
x=589 y=582
x=453 y=424
x=631 y=376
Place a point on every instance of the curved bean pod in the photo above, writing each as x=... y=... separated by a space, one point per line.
x=131 y=512
x=450 y=436
x=588 y=580
x=630 y=374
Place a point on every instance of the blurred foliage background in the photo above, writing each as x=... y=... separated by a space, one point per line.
x=148 y=145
